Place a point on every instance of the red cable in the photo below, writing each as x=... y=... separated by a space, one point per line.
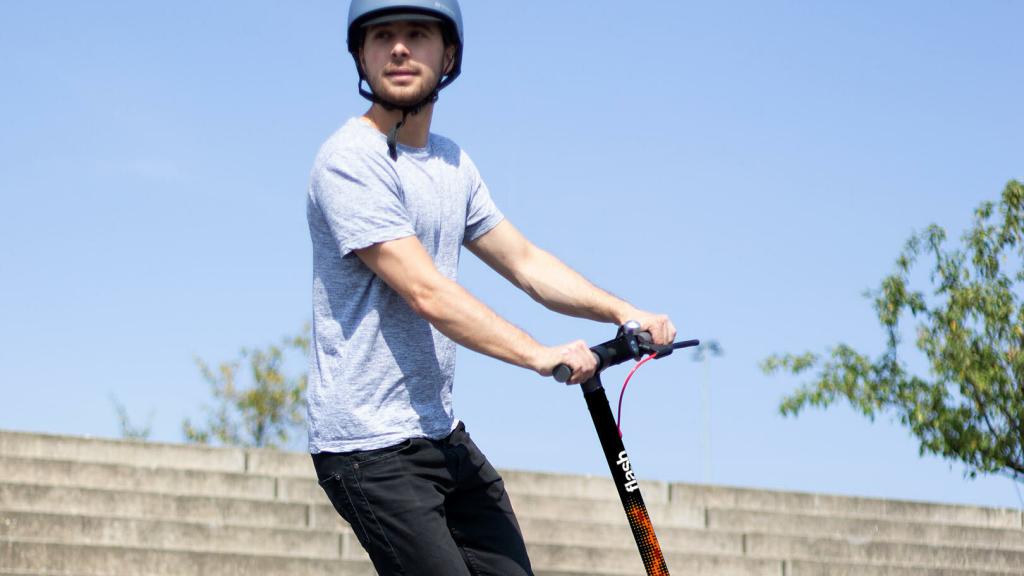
x=618 y=418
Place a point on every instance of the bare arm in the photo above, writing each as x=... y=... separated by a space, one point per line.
x=407 y=268
x=558 y=287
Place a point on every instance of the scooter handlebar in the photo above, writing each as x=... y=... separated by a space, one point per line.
x=624 y=347
x=562 y=372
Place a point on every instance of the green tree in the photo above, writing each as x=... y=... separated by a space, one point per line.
x=263 y=414
x=970 y=405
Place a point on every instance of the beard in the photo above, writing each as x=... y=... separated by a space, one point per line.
x=401 y=96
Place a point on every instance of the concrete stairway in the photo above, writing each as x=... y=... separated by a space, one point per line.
x=87 y=507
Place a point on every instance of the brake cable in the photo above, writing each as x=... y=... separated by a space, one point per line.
x=618 y=417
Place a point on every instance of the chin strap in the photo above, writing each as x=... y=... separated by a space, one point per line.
x=393 y=136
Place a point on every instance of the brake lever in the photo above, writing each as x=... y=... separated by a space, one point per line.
x=666 y=350
x=658 y=351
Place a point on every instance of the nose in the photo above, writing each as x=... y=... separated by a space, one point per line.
x=399 y=51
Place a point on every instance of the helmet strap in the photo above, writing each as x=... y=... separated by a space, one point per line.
x=393 y=137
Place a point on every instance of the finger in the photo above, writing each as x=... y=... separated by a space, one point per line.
x=585 y=364
x=655 y=331
x=577 y=370
x=658 y=331
x=588 y=372
x=582 y=375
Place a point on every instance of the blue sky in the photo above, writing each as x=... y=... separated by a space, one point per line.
x=749 y=168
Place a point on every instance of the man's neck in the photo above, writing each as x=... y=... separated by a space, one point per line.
x=414 y=132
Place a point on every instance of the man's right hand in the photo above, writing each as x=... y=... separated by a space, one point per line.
x=575 y=355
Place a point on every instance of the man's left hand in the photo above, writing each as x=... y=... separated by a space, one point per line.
x=661 y=328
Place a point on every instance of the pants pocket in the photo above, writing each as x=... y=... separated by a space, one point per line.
x=347 y=496
x=334 y=487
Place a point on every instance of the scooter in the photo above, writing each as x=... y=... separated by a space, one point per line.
x=629 y=344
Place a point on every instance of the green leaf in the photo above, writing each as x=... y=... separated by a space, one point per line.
x=970 y=408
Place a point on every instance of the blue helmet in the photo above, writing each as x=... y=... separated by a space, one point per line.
x=447 y=12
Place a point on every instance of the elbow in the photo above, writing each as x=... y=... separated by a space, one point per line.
x=531 y=290
x=426 y=299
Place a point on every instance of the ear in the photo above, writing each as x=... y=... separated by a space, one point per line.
x=449 y=59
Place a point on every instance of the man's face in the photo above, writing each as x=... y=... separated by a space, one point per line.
x=404 y=60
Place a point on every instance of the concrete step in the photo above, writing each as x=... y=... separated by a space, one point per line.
x=864 y=528
x=162 y=480
x=98 y=450
x=615 y=560
x=237 y=511
x=537 y=572
x=595 y=487
x=49 y=558
x=136 y=453
x=37 y=559
x=297 y=480
x=113 y=518
x=137 y=465
x=298 y=466
x=178 y=535
x=3 y=573
x=573 y=509
x=538 y=484
x=628 y=561
x=830 y=568
x=723 y=497
x=854 y=551
x=167 y=535
x=249 y=486
x=94 y=502
x=135 y=487
x=673 y=538
x=87 y=536
x=136 y=478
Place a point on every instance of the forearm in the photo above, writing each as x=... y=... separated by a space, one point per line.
x=561 y=289
x=460 y=316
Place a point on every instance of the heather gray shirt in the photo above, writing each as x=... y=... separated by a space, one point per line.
x=378 y=372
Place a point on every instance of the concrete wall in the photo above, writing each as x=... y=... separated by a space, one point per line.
x=93 y=507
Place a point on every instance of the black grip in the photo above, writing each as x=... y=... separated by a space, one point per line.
x=562 y=373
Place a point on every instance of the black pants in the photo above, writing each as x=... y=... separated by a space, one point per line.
x=427 y=507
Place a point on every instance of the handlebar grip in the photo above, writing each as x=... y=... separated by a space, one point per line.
x=562 y=373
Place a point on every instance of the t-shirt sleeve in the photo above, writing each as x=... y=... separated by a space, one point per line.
x=482 y=214
x=360 y=201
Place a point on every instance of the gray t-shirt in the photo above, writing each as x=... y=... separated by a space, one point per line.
x=378 y=372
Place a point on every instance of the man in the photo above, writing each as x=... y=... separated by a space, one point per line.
x=389 y=207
